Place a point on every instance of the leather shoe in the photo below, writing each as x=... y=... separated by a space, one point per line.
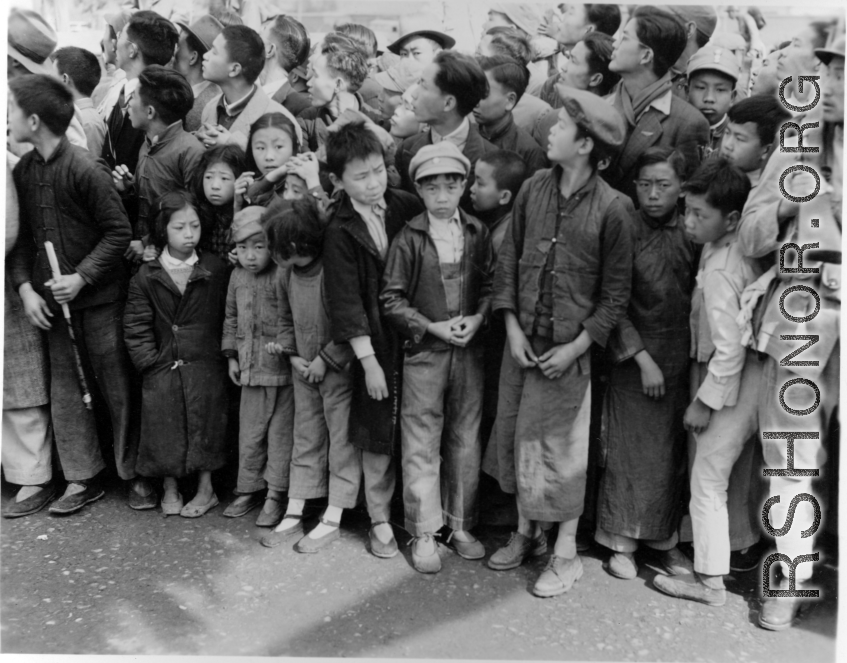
x=380 y=549
x=780 y=612
x=32 y=504
x=423 y=561
x=623 y=566
x=519 y=547
x=558 y=576
x=238 y=508
x=309 y=545
x=691 y=587
x=72 y=503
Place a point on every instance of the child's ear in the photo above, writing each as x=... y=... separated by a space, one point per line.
x=419 y=188
x=513 y=101
x=234 y=70
x=336 y=181
x=732 y=220
x=505 y=197
x=193 y=59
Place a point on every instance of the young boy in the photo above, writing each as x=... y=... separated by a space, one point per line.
x=562 y=283
x=338 y=68
x=67 y=197
x=79 y=70
x=169 y=154
x=436 y=295
x=194 y=41
x=507 y=81
x=265 y=433
x=722 y=416
x=712 y=76
x=365 y=220
x=234 y=63
x=499 y=177
x=751 y=133
x=451 y=87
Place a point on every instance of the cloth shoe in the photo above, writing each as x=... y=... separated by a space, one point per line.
x=519 y=547
x=467 y=549
x=380 y=549
x=32 y=504
x=744 y=561
x=623 y=566
x=310 y=545
x=194 y=511
x=558 y=576
x=674 y=562
x=273 y=538
x=781 y=612
x=690 y=586
x=73 y=503
x=236 y=509
x=423 y=561
x=142 y=502
x=273 y=518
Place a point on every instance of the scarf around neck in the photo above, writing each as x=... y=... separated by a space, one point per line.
x=632 y=108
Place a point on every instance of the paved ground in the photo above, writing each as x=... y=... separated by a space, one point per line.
x=113 y=581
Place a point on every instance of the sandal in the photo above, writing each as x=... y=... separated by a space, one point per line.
x=310 y=545
x=172 y=508
x=274 y=538
x=273 y=518
x=194 y=511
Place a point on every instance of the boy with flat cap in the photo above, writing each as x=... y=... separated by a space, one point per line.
x=562 y=283
x=436 y=294
x=713 y=73
x=194 y=41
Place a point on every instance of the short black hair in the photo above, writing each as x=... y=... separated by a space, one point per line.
x=167 y=91
x=663 y=33
x=230 y=154
x=725 y=186
x=46 y=97
x=509 y=168
x=294 y=228
x=653 y=155
x=350 y=142
x=81 y=66
x=461 y=76
x=511 y=42
x=291 y=40
x=245 y=46
x=165 y=206
x=362 y=35
x=154 y=36
x=346 y=58
x=271 y=121
x=508 y=72
x=764 y=110
x=600 y=46
x=605 y=18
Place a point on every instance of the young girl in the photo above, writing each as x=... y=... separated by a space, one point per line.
x=267 y=400
x=172 y=328
x=323 y=384
x=643 y=441
x=272 y=142
x=214 y=188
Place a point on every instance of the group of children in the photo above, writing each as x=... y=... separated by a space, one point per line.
x=449 y=325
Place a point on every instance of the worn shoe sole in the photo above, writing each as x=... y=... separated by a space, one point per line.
x=57 y=509
x=549 y=593
x=143 y=502
x=274 y=539
x=311 y=546
x=716 y=602
x=35 y=505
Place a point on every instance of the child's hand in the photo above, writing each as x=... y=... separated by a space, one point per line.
x=443 y=329
x=241 y=185
x=122 y=178
x=697 y=415
x=66 y=287
x=306 y=167
x=35 y=308
x=519 y=346
x=234 y=372
x=135 y=250
x=214 y=135
x=652 y=380
x=150 y=253
x=316 y=371
x=375 y=378
x=277 y=173
x=232 y=256
x=273 y=348
x=557 y=360
x=465 y=329
x=300 y=365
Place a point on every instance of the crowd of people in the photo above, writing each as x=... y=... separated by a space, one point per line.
x=541 y=275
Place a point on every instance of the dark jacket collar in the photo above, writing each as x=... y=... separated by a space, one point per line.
x=496 y=131
x=61 y=148
x=162 y=139
x=421 y=222
x=160 y=274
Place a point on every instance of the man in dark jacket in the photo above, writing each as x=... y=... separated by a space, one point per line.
x=651 y=42
x=67 y=198
x=451 y=87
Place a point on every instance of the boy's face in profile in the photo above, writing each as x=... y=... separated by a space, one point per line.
x=563 y=145
x=253 y=253
x=19 y=127
x=484 y=192
x=495 y=106
x=323 y=84
x=365 y=180
x=137 y=111
x=705 y=223
x=216 y=63
x=658 y=189
x=712 y=94
x=441 y=194
x=741 y=146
